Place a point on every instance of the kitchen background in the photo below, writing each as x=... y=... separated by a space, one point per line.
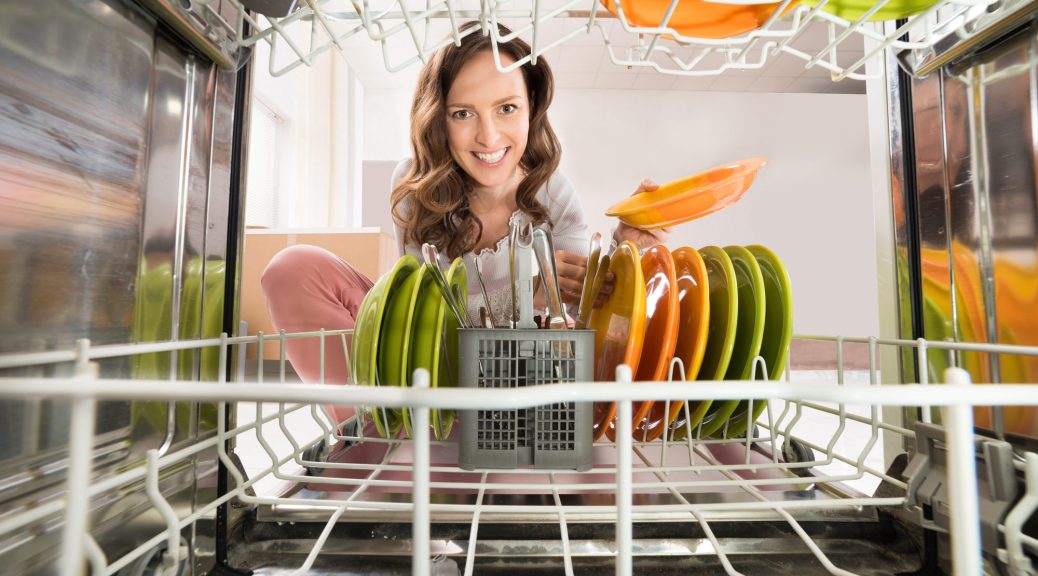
x=325 y=139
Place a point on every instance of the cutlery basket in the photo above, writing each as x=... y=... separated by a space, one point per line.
x=553 y=436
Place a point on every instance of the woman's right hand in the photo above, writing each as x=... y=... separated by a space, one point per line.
x=572 y=268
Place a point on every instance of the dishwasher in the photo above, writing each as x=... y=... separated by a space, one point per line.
x=127 y=397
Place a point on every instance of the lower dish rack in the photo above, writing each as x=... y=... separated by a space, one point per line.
x=807 y=490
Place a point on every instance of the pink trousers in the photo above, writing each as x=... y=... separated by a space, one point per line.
x=308 y=288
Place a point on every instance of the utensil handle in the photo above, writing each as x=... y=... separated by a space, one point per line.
x=596 y=288
x=524 y=282
x=546 y=262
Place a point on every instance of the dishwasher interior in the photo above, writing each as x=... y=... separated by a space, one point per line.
x=140 y=439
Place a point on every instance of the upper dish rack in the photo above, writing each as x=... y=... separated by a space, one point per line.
x=407 y=34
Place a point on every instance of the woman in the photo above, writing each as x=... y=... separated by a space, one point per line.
x=484 y=156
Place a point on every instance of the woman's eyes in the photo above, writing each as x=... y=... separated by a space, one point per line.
x=464 y=114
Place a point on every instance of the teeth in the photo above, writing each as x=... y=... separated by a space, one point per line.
x=492 y=158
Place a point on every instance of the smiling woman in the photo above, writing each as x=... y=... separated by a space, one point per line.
x=483 y=157
x=482 y=146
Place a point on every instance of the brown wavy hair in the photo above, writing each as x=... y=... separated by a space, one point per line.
x=435 y=187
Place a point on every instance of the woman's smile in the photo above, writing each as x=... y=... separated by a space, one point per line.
x=491 y=158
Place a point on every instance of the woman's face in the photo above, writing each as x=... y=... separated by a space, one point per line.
x=488 y=120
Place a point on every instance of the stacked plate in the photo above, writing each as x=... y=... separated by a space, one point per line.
x=402 y=325
x=704 y=19
x=715 y=309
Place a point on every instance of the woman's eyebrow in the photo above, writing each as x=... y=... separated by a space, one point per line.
x=496 y=103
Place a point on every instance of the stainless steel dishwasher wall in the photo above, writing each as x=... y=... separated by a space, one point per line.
x=115 y=153
x=967 y=227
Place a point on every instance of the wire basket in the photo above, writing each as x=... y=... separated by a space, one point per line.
x=553 y=436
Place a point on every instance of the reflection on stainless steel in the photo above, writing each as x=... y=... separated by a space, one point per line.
x=968 y=223
x=986 y=29
x=71 y=170
x=208 y=26
x=1007 y=117
x=900 y=226
x=975 y=128
x=932 y=219
x=554 y=548
x=108 y=217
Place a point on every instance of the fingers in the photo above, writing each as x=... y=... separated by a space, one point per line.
x=608 y=285
x=662 y=235
x=646 y=185
x=571 y=268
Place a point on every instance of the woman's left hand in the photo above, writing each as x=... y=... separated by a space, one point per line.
x=641 y=238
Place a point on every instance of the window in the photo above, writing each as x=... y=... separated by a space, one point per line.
x=266 y=130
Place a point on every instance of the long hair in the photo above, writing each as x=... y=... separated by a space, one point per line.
x=437 y=188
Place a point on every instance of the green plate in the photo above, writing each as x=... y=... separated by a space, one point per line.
x=750 y=330
x=431 y=322
x=724 y=310
x=393 y=357
x=892 y=10
x=366 y=338
x=778 y=330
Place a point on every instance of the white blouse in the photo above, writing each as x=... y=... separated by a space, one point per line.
x=568 y=230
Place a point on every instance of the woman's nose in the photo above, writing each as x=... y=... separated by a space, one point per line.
x=488 y=132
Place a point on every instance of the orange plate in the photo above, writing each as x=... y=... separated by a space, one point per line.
x=693 y=328
x=698 y=18
x=689 y=198
x=619 y=326
x=661 y=331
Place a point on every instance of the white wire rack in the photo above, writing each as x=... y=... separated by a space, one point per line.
x=290 y=427
x=408 y=34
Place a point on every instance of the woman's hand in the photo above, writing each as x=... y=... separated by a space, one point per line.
x=641 y=238
x=572 y=268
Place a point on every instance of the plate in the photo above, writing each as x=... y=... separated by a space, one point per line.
x=395 y=340
x=778 y=330
x=433 y=326
x=892 y=10
x=397 y=346
x=748 y=333
x=619 y=326
x=693 y=329
x=698 y=18
x=689 y=198
x=724 y=310
x=661 y=332
x=366 y=337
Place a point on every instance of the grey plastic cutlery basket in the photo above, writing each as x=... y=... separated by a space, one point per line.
x=555 y=436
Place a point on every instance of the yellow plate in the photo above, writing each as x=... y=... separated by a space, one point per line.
x=689 y=198
x=724 y=310
x=698 y=18
x=619 y=326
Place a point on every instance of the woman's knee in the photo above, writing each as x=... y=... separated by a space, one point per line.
x=292 y=265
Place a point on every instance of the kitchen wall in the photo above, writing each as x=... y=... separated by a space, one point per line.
x=811 y=204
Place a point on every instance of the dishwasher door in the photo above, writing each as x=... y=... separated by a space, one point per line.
x=118 y=225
